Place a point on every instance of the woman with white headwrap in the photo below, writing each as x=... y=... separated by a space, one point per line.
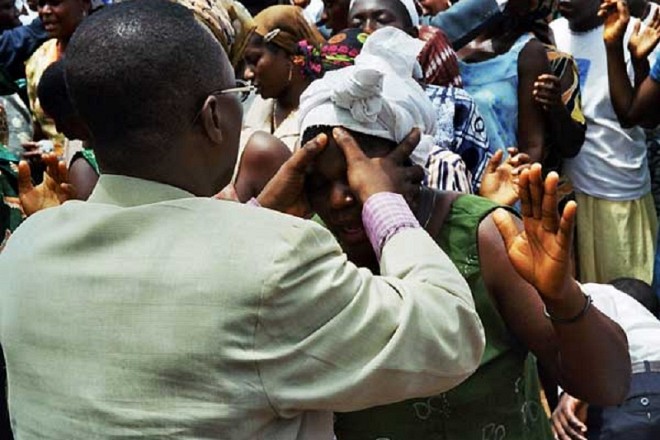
x=378 y=103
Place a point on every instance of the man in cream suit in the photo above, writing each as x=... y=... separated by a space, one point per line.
x=154 y=312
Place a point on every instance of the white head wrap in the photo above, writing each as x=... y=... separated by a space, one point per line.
x=410 y=7
x=377 y=96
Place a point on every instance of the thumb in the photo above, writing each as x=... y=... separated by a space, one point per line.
x=507 y=227
x=304 y=157
x=24 y=177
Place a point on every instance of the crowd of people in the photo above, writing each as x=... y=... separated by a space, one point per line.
x=337 y=219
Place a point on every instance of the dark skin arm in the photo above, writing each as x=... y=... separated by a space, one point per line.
x=566 y=133
x=83 y=178
x=633 y=106
x=532 y=63
x=589 y=357
x=263 y=156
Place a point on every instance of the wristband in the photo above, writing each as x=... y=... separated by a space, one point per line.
x=585 y=309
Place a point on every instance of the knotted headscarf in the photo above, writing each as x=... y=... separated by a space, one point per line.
x=377 y=96
x=285 y=26
x=229 y=22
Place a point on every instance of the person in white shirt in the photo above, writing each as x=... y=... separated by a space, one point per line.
x=639 y=416
x=617 y=222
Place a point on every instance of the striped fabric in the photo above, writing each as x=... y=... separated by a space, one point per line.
x=383 y=216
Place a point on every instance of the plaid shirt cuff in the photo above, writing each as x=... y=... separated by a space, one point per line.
x=384 y=215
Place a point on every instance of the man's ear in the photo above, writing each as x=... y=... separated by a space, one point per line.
x=211 y=119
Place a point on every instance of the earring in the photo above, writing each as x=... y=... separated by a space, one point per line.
x=290 y=73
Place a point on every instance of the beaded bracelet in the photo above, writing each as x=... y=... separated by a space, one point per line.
x=587 y=305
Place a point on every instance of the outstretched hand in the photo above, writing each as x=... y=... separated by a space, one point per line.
x=617 y=17
x=53 y=191
x=500 y=180
x=643 y=42
x=542 y=252
x=286 y=190
x=368 y=176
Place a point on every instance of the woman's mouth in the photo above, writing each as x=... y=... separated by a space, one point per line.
x=352 y=234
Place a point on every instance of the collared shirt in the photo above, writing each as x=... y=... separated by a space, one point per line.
x=641 y=327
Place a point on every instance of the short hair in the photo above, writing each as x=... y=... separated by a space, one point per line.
x=638 y=290
x=52 y=93
x=137 y=74
x=400 y=10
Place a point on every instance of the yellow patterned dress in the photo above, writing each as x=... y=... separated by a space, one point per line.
x=48 y=53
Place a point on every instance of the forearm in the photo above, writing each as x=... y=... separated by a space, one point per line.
x=621 y=91
x=367 y=340
x=465 y=20
x=592 y=360
x=641 y=69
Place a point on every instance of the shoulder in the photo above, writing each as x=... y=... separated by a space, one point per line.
x=265 y=149
x=533 y=56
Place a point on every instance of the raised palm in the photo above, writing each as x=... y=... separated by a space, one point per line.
x=500 y=180
x=541 y=253
x=53 y=191
x=643 y=42
x=617 y=16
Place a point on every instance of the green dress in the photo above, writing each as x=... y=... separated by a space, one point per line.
x=11 y=214
x=501 y=401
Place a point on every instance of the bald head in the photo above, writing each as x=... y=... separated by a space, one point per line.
x=138 y=72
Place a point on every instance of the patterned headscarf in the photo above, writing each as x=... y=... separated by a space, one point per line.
x=285 y=26
x=338 y=52
x=438 y=59
x=229 y=22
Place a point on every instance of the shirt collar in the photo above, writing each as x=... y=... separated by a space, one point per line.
x=130 y=191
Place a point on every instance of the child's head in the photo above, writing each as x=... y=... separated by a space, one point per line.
x=640 y=291
x=54 y=98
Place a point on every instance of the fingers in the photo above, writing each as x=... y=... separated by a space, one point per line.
x=496 y=160
x=406 y=147
x=24 y=177
x=636 y=27
x=525 y=196
x=52 y=166
x=507 y=227
x=567 y=226
x=547 y=90
x=550 y=216
x=655 y=23
x=304 y=157
x=348 y=145
x=520 y=160
x=574 y=425
x=536 y=190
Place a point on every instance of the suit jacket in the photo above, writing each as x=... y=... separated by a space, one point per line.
x=148 y=313
x=465 y=20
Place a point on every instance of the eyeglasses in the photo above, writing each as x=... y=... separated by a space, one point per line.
x=243 y=89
